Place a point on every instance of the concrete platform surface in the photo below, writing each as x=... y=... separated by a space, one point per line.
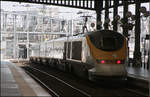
x=139 y=73
x=15 y=82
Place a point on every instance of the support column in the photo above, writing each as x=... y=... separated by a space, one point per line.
x=98 y=20
x=98 y=8
x=148 y=61
x=14 y=43
x=27 y=45
x=137 y=53
x=125 y=10
x=115 y=25
x=125 y=23
x=106 y=13
x=5 y=31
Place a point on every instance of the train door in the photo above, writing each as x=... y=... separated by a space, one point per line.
x=75 y=53
x=76 y=50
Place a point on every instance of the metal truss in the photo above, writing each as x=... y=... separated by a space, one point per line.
x=83 y=4
x=7 y=24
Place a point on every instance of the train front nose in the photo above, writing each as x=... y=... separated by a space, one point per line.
x=109 y=51
x=105 y=71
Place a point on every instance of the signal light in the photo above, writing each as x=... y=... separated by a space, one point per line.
x=118 y=62
x=102 y=61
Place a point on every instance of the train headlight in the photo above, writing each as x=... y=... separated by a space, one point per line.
x=102 y=61
x=99 y=61
x=118 y=61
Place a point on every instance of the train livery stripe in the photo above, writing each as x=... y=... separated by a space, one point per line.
x=105 y=55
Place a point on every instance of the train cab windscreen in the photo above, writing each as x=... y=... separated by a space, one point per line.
x=107 y=40
x=108 y=43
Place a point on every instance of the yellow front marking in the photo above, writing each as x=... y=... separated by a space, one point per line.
x=100 y=54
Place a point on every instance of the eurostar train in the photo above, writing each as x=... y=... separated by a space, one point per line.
x=94 y=55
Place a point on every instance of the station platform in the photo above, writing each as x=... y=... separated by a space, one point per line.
x=133 y=72
x=138 y=76
x=139 y=73
x=15 y=82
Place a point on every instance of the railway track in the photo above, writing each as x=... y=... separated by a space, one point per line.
x=137 y=93
x=61 y=84
x=53 y=93
x=60 y=88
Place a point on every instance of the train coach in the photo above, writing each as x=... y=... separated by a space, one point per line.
x=94 y=55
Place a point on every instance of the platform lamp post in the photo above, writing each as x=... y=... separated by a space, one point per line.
x=127 y=23
x=146 y=14
x=146 y=38
x=106 y=23
x=148 y=62
x=137 y=53
x=137 y=60
x=115 y=22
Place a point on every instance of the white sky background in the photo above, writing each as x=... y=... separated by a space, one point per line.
x=66 y=12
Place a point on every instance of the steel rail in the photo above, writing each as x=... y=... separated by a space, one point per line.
x=37 y=79
x=137 y=93
x=62 y=81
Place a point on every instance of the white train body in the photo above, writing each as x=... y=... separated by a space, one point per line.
x=81 y=49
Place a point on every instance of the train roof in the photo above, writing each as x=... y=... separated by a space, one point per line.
x=81 y=36
x=78 y=37
x=102 y=31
